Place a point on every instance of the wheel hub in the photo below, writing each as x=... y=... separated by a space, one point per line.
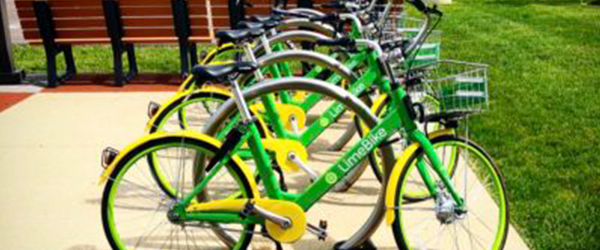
x=446 y=210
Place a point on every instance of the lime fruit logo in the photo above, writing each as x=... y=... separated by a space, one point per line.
x=331 y=178
x=324 y=122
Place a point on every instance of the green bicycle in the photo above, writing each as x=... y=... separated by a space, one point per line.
x=277 y=119
x=216 y=195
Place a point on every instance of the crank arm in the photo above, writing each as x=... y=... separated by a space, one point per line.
x=254 y=209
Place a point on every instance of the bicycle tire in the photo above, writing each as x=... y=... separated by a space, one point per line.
x=500 y=200
x=130 y=160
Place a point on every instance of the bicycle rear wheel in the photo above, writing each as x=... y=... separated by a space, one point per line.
x=437 y=223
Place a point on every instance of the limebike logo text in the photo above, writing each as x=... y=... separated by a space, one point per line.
x=366 y=145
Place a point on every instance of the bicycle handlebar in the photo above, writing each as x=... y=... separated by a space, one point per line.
x=419 y=4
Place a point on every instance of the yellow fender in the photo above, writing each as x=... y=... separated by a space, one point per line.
x=214 y=51
x=286 y=209
x=393 y=184
x=179 y=95
x=185 y=86
x=184 y=133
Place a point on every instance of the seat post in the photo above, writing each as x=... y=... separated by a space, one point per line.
x=250 y=53
x=265 y=42
x=238 y=97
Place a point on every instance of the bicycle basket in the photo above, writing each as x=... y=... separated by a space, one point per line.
x=456 y=87
x=406 y=27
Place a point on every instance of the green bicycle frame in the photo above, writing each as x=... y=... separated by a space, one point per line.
x=397 y=121
x=372 y=76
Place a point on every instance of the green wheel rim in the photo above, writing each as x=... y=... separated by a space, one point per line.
x=500 y=199
x=117 y=176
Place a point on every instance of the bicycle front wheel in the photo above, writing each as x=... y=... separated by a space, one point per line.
x=135 y=206
x=437 y=223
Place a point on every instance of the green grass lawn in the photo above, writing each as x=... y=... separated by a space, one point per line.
x=542 y=127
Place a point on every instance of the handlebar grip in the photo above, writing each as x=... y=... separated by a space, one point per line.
x=419 y=4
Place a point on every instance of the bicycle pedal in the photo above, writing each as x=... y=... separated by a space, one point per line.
x=323 y=224
x=320 y=231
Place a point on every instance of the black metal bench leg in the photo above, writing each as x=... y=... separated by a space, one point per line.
x=133 y=67
x=70 y=62
x=51 y=68
x=184 y=57
x=194 y=54
x=118 y=65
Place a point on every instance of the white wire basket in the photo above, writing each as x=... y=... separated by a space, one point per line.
x=402 y=26
x=455 y=88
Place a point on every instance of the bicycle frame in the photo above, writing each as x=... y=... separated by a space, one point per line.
x=373 y=76
x=397 y=121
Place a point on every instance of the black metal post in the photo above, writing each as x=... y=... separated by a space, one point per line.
x=114 y=27
x=237 y=12
x=8 y=73
x=181 y=20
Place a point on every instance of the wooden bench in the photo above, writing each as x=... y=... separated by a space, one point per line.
x=60 y=24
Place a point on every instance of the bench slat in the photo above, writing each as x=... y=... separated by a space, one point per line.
x=65 y=34
x=146 y=11
x=202 y=21
x=147 y=22
x=60 y=24
x=64 y=13
x=23 y=4
x=124 y=3
x=149 y=32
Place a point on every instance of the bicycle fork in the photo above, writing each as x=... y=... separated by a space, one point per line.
x=437 y=166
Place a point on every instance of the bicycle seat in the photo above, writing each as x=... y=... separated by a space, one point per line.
x=249 y=25
x=268 y=22
x=237 y=36
x=262 y=19
x=221 y=72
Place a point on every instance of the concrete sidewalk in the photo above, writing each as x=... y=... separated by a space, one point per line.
x=50 y=147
